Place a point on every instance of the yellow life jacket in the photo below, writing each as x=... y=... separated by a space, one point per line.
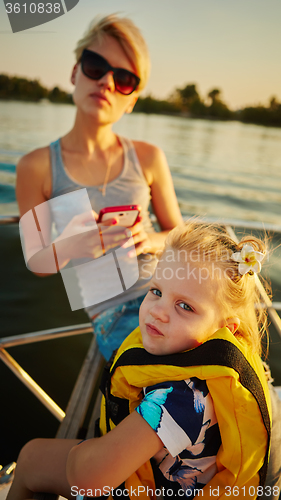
x=237 y=384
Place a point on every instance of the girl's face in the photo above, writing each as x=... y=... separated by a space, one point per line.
x=99 y=98
x=181 y=310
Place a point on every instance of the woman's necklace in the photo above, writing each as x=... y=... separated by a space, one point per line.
x=103 y=188
x=107 y=174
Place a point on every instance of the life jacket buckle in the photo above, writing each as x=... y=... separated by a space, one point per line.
x=113 y=408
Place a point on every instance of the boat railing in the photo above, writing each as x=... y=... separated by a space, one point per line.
x=24 y=377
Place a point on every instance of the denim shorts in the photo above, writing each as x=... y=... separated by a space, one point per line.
x=115 y=324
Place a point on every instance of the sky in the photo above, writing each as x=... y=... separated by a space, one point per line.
x=233 y=45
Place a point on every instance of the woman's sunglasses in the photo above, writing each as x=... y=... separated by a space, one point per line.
x=95 y=67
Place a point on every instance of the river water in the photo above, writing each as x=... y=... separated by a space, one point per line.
x=221 y=170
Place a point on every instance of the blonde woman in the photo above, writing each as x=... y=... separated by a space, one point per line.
x=112 y=67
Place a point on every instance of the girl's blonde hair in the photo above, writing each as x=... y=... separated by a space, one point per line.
x=209 y=245
x=127 y=35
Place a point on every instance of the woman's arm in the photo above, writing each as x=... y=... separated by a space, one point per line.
x=111 y=459
x=33 y=183
x=163 y=198
x=33 y=187
x=78 y=239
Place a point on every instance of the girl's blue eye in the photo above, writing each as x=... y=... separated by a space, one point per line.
x=185 y=306
x=157 y=292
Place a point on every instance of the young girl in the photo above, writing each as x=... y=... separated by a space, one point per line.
x=185 y=408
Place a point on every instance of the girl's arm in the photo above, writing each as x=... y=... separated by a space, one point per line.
x=109 y=460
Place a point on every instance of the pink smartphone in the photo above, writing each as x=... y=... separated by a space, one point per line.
x=126 y=214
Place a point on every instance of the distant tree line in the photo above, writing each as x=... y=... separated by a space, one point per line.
x=262 y=115
x=185 y=101
x=21 y=89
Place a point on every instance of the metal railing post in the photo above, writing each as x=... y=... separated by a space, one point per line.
x=31 y=384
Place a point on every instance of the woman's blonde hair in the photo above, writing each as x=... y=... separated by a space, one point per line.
x=238 y=295
x=127 y=35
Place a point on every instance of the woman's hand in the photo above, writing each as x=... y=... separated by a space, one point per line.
x=141 y=239
x=83 y=237
x=145 y=243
